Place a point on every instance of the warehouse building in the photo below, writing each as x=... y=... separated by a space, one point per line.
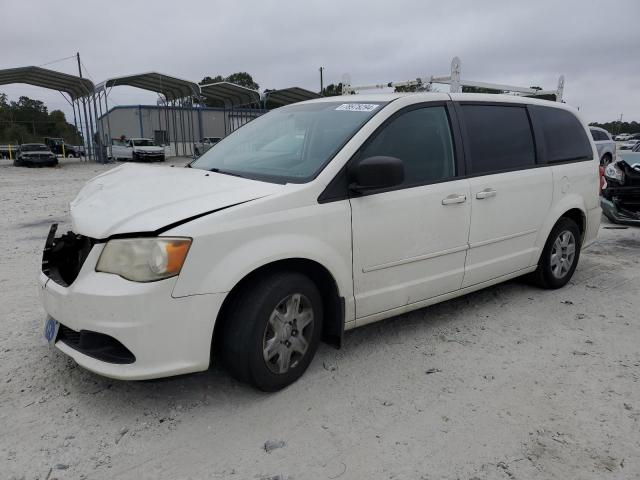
x=168 y=125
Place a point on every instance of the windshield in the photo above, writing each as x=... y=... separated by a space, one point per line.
x=144 y=142
x=289 y=144
x=34 y=148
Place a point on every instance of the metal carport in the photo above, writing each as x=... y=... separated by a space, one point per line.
x=287 y=96
x=241 y=104
x=78 y=89
x=173 y=93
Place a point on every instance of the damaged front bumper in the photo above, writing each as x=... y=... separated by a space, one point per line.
x=119 y=328
x=617 y=213
x=620 y=200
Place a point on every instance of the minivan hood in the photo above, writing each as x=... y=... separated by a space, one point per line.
x=141 y=198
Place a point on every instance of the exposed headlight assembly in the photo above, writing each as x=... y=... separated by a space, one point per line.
x=614 y=173
x=144 y=259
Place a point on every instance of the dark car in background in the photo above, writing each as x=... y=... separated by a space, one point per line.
x=35 y=155
x=60 y=147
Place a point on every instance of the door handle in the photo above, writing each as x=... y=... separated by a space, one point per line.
x=486 y=193
x=454 y=198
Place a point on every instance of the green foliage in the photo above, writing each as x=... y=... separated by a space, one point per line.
x=332 y=90
x=616 y=127
x=29 y=120
x=239 y=78
x=423 y=87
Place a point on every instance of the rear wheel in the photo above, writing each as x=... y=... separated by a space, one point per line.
x=606 y=159
x=560 y=255
x=272 y=330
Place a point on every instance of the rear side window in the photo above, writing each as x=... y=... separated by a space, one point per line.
x=498 y=138
x=599 y=135
x=564 y=138
x=421 y=138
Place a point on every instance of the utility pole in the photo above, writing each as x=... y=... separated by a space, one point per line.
x=321 y=83
x=87 y=134
x=619 y=124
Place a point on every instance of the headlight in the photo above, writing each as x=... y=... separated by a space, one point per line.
x=144 y=259
x=614 y=172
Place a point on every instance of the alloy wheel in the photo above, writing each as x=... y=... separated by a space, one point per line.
x=288 y=333
x=563 y=254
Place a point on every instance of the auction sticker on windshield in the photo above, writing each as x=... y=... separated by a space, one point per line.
x=358 y=107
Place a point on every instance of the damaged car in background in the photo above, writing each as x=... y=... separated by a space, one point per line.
x=620 y=199
x=35 y=155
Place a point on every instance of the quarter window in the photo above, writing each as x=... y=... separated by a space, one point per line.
x=498 y=138
x=421 y=138
x=564 y=138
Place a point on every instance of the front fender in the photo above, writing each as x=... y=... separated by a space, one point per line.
x=250 y=256
x=229 y=246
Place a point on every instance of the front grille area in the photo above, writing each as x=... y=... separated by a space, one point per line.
x=96 y=345
x=64 y=256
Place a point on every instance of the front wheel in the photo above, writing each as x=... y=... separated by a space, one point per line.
x=560 y=255
x=272 y=330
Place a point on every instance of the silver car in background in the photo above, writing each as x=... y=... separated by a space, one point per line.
x=605 y=145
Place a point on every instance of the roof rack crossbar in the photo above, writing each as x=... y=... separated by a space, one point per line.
x=455 y=83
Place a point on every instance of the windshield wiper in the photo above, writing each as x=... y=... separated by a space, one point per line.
x=226 y=172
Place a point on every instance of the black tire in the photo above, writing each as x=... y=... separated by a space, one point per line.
x=197 y=152
x=548 y=276
x=247 y=324
x=606 y=159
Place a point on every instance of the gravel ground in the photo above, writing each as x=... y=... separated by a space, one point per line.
x=511 y=382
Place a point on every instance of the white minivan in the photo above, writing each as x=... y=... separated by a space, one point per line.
x=313 y=219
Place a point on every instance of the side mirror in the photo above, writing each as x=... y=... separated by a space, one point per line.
x=374 y=173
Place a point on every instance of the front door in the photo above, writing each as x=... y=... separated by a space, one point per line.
x=409 y=244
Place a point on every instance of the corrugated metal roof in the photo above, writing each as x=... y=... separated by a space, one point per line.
x=230 y=94
x=287 y=96
x=170 y=87
x=74 y=86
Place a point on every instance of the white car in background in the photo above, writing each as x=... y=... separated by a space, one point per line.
x=137 y=150
x=622 y=137
x=605 y=145
x=313 y=219
x=629 y=144
x=205 y=144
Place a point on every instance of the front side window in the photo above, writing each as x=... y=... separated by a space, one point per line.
x=498 y=138
x=289 y=144
x=421 y=138
x=564 y=137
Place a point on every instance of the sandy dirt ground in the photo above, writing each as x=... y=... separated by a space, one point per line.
x=511 y=382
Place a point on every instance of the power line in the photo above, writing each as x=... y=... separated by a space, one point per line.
x=86 y=70
x=56 y=61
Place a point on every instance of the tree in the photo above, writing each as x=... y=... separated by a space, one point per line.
x=332 y=90
x=615 y=127
x=28 y=120
x=239 y=78
x=243 y=79
x=418 y=87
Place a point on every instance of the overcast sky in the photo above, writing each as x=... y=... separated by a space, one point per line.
x=595 y=44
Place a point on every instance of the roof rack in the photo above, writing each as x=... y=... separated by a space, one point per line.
x=456 y=84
